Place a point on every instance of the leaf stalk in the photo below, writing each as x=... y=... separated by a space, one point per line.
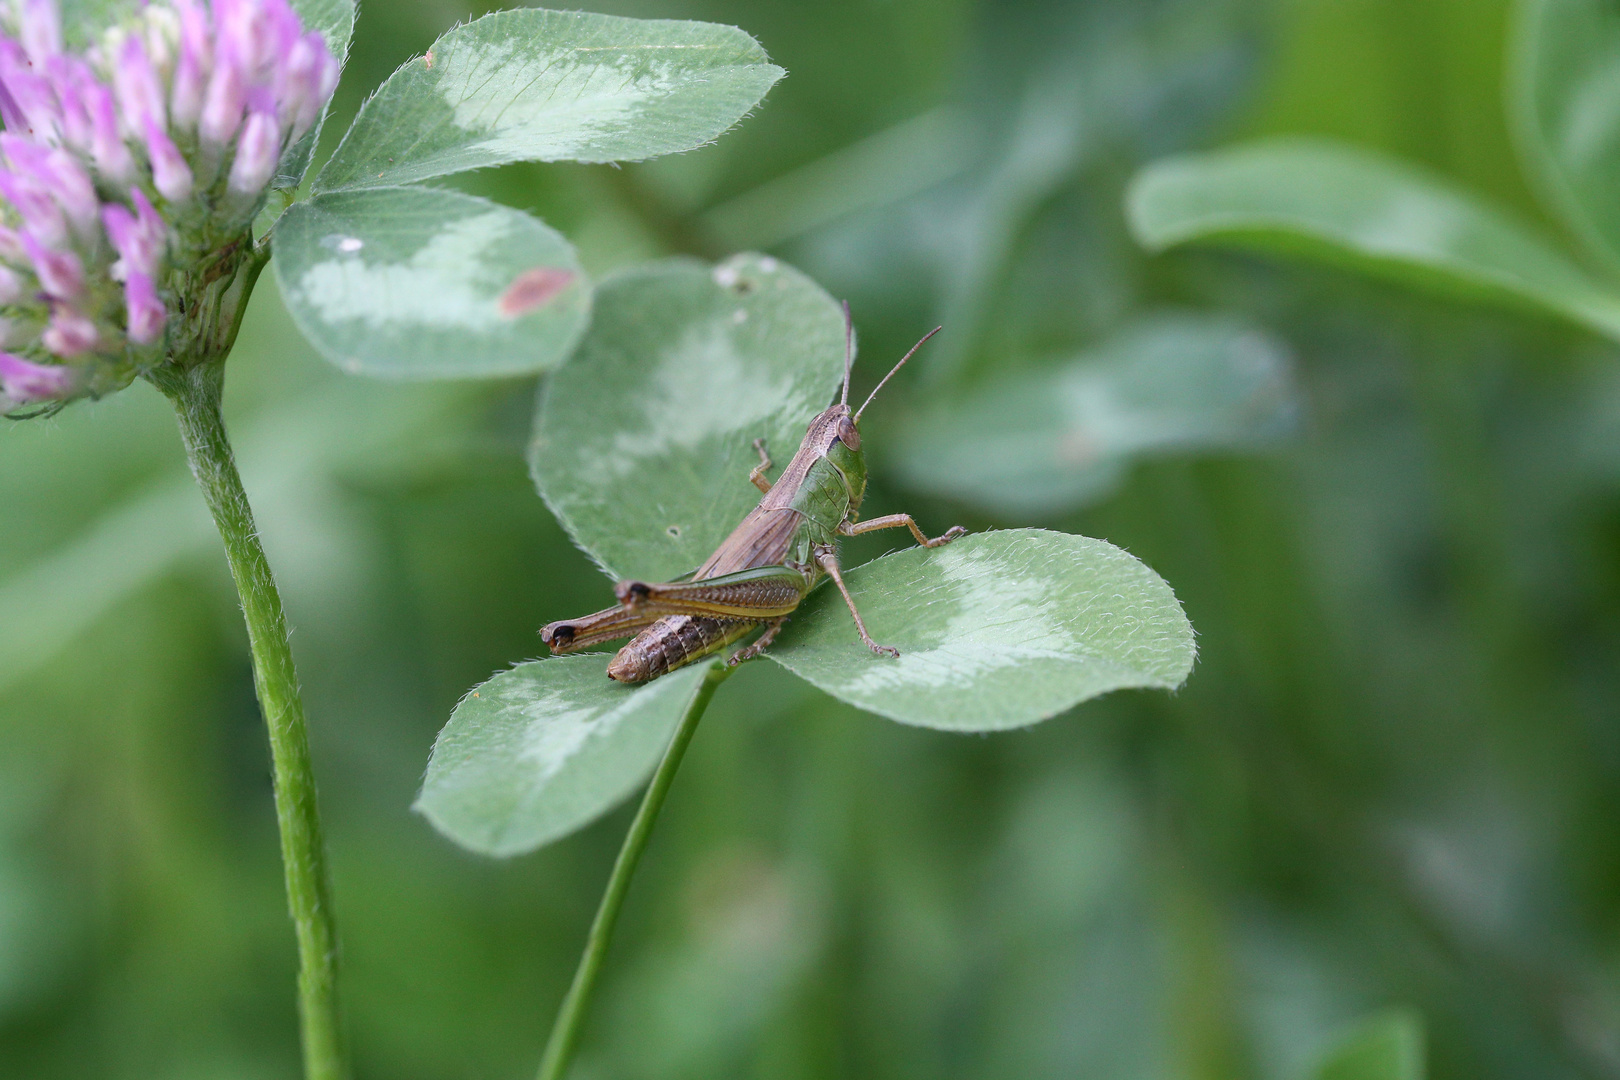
x=571 y=1015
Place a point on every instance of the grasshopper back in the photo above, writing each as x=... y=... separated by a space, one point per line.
x=818 y=489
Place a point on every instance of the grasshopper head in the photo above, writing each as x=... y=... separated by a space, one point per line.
x=836 y=434
x=835 y=437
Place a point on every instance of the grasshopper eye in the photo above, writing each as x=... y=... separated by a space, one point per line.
x=847 y=433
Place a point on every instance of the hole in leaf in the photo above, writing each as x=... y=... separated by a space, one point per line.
x=675 y=531
x=727 y=277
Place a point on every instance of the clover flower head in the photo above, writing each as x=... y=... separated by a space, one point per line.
x=131 y=171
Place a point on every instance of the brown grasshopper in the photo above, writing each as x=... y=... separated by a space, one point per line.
x=768 y=564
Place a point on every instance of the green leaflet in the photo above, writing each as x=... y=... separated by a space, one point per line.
x=642 y=448
x=642 y=443
x=1565 y=104
x=1367 y=212
x=996 y=630
x=1387 y=1047
x=546 y=748
x=333 y=18
x=427 y=283
x=1047 y=440
x=535 y=85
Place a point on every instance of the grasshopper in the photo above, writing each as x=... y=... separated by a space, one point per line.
x=769 y=563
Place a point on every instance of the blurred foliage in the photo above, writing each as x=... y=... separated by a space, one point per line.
x=1344 y=206
x=1388 y=1046
x=1391 y=781
x=1032 y=444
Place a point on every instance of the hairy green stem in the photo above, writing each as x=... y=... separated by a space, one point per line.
x=196 y=393
x=571 y=1016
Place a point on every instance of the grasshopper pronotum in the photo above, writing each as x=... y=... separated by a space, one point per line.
x=768 y=564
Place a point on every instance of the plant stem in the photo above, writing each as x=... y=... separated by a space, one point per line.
x=196 y=394
x=571 y=1016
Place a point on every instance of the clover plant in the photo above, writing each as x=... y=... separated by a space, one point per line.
x=155 y=156
x=642 y=447
x=153 y=159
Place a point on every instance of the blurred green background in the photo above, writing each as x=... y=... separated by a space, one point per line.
x=1393 y=779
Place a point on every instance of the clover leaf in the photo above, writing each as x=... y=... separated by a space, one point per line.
x=643 y=446
x=400 y=281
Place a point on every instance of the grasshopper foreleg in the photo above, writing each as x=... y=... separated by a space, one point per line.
x=757 y=477
x=828 y=560
x=760 y=643
x=900 y=521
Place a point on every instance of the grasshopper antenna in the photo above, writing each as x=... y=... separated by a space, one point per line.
x=894 y=369
x=849 y=353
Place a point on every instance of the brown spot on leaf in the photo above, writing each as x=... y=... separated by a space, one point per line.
x=534 y=289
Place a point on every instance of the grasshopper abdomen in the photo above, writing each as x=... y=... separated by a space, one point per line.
x=671 y=642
